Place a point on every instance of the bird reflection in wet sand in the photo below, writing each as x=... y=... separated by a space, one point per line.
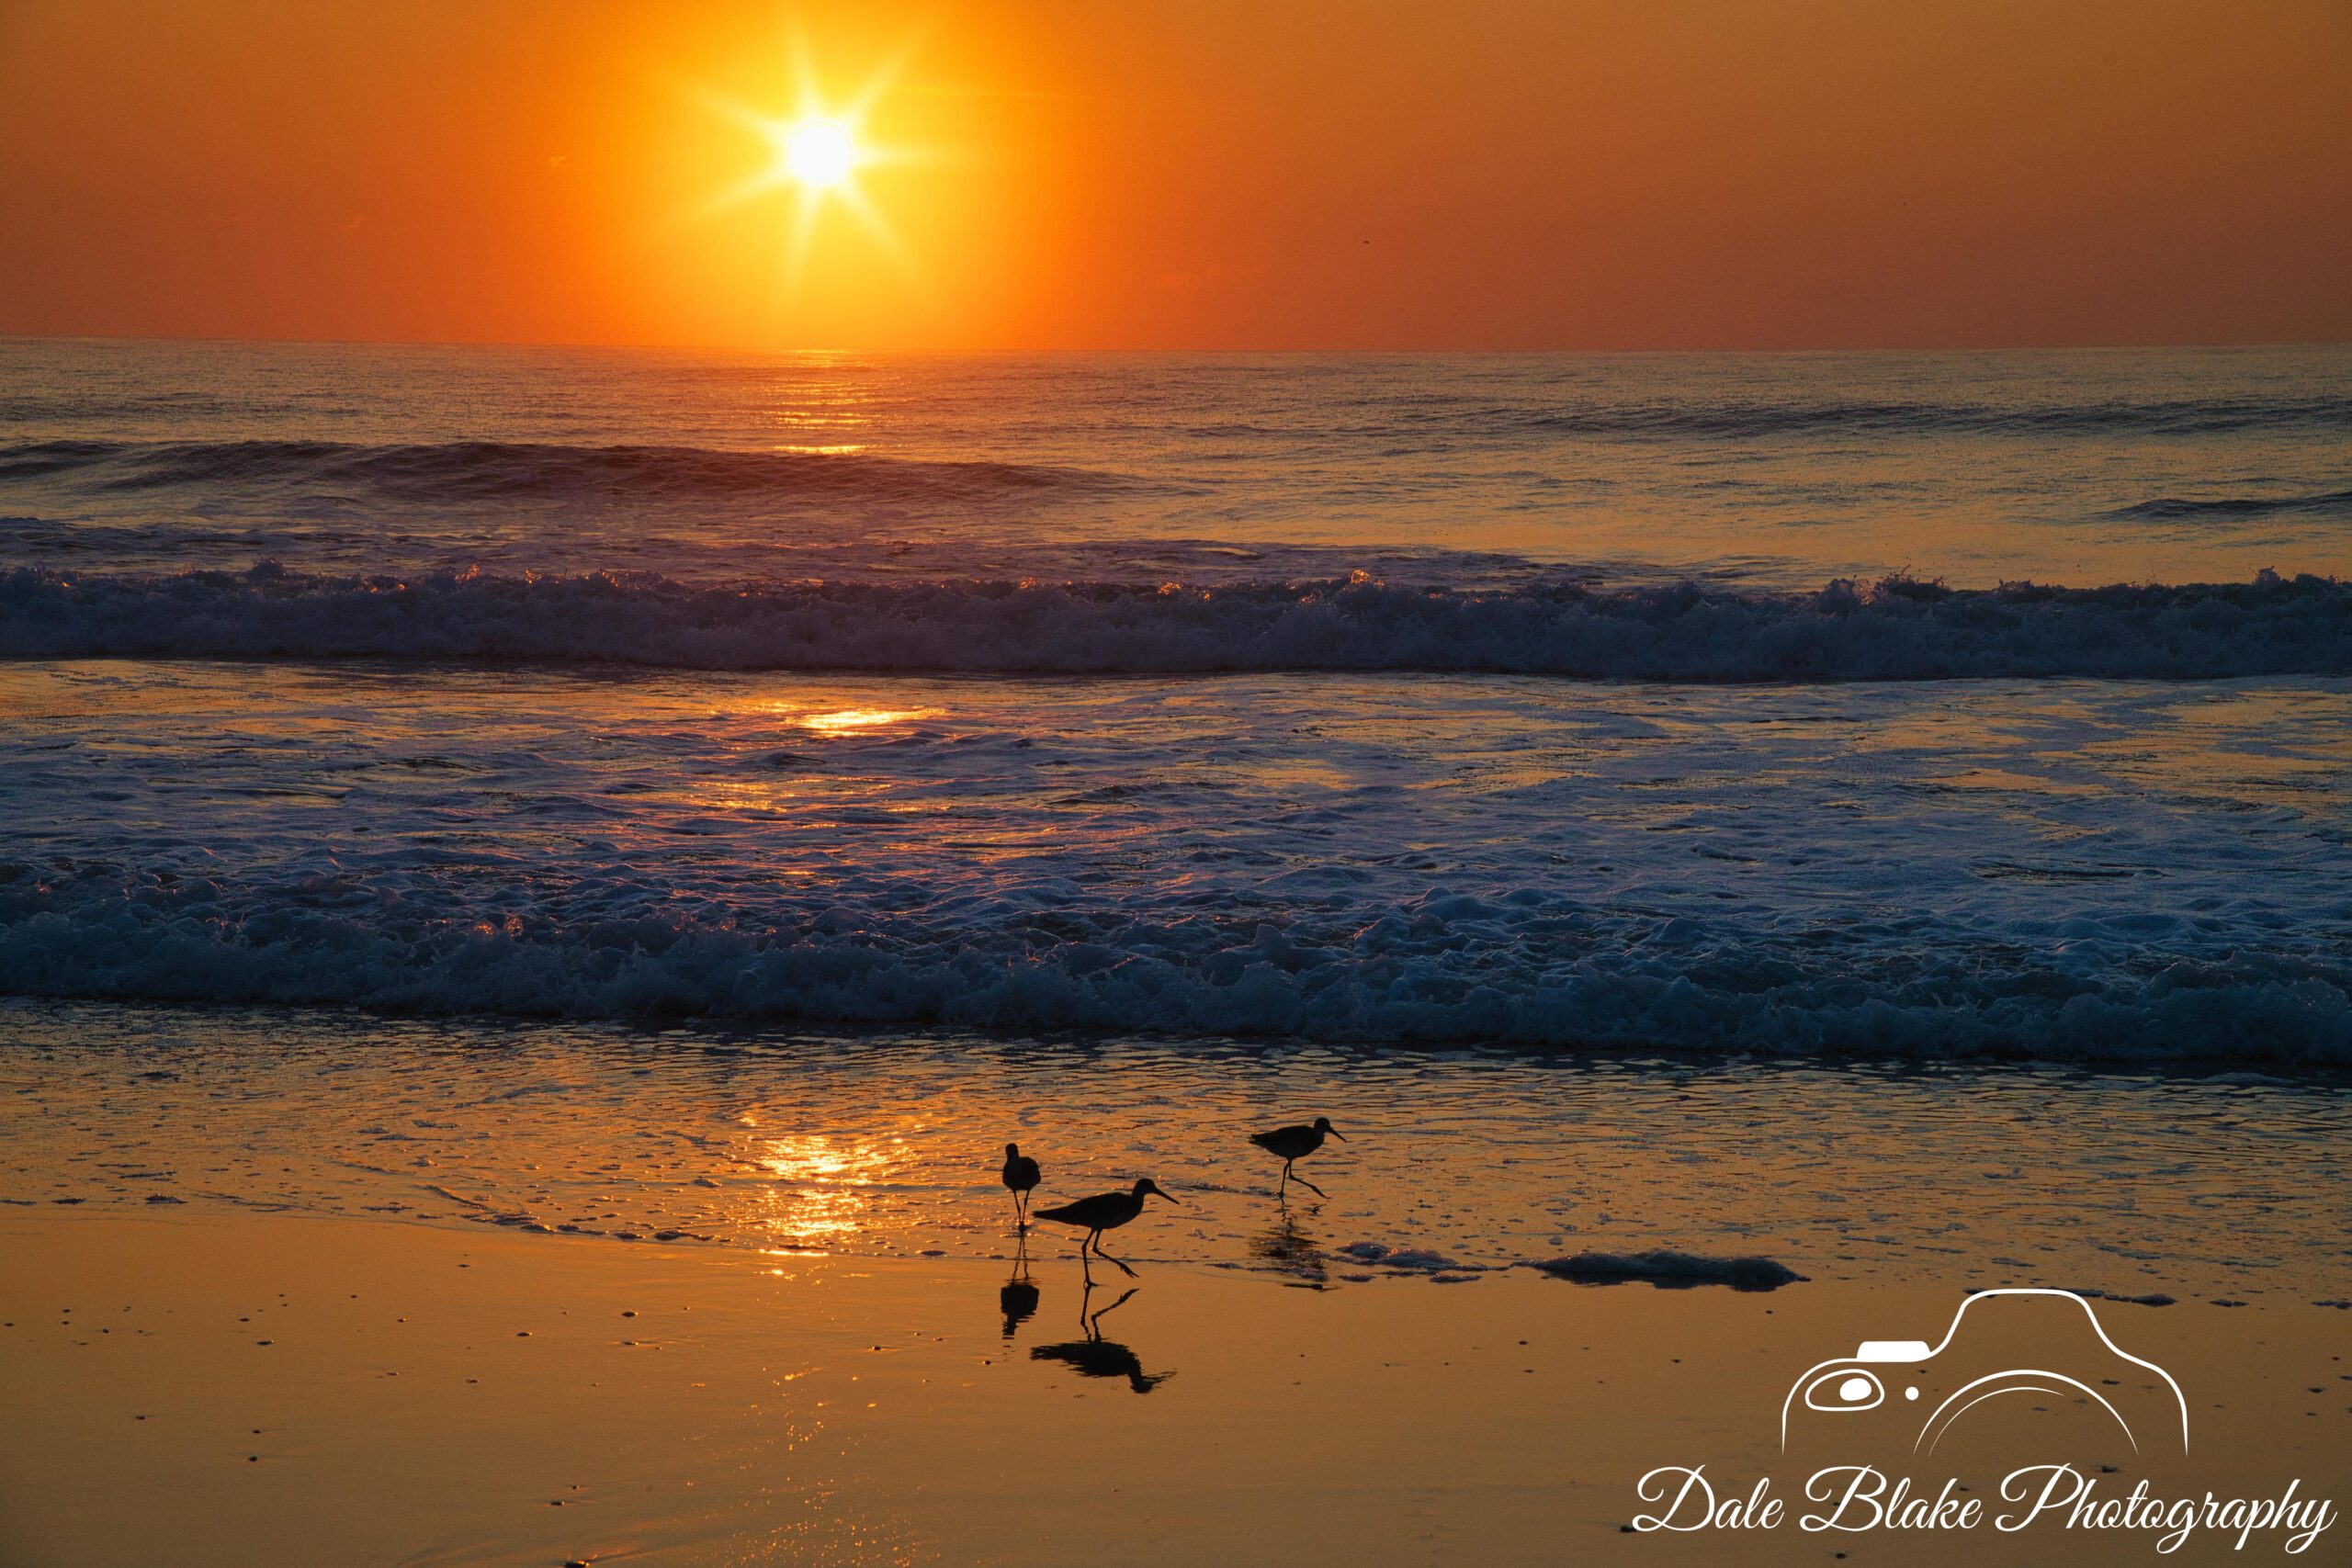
x=1287 y=1250
x=1095 y=1357
x=1017 y=1298
x=1104 y=1211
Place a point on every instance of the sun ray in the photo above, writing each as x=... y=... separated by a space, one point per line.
x=886 y=238
x=807 y=202
x=884 y=78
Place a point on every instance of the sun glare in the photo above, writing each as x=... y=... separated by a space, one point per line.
x=818 y=153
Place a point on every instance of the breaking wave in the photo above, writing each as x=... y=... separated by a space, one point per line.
x=1897 y=628
x=1524 y=967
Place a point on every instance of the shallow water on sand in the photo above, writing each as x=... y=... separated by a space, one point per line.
x=2186 y=1186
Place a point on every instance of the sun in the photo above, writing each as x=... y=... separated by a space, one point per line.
x=818 y=153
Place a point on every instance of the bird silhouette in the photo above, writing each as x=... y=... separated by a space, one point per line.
x=1095 y=1357
x=1296 y=1144
x=1104 y=1211
x=1021 y=1178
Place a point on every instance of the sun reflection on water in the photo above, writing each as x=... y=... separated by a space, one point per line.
x=841 y=721
x=817 y=1193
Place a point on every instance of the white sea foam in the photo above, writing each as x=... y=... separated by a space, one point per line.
x=1408 y=1259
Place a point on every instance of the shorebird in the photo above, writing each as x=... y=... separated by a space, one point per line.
x=1296 y=1144
x=1021 y=1176
x=1104 y=1211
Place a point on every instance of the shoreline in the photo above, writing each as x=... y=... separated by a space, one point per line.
x=772 y=1037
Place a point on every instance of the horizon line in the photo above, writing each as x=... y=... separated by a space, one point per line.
x=660 y=347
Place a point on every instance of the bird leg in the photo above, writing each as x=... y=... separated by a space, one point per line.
x=1108 y=1259
x=1288 y=1178
x=1094 y=1323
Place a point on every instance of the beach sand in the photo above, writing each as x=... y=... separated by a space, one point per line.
x=299 y=1289
x=215 y=1387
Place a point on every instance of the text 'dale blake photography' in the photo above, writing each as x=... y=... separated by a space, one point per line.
x=1043 y=784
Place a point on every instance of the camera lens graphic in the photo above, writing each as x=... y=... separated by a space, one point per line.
x=1847 y=1388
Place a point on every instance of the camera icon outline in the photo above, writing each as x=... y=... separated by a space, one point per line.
x=1852 y=1383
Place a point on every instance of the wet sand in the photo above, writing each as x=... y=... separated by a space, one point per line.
x=302 y=1290
x=231 y=1388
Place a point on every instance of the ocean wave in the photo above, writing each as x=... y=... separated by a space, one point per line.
x=2166 y=508
x=1733 y=421
x=1896 y=629
x=476 y=471
x=1520 y=967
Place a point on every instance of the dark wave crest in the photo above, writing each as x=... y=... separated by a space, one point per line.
x=1898 y=628
x=1732 y=421
x=2172 y=508
x=474 y=471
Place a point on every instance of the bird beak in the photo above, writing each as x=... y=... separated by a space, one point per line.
x=1336 y=1133
x=1165 y=1195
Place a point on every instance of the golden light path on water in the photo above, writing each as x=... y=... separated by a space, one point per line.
x=837 y=721
x=819 y=1194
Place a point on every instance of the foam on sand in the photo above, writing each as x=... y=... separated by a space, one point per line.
x=1673 y=1271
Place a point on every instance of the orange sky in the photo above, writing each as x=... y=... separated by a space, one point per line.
x=1261 y=174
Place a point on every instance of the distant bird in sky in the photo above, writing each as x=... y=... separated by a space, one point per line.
x=1104 y=1211
x=1021 y=1178
x=1296 y=1144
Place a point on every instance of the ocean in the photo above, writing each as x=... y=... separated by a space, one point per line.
x=1990 y=706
